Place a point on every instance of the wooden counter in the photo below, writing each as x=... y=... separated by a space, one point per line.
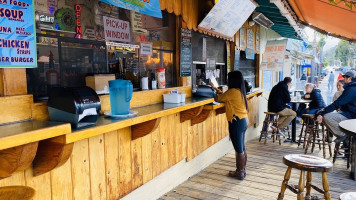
x=145 y=113
x=16 y=134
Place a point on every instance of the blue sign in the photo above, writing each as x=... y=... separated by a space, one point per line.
x=250 y=53
x=17 y=34
x=147 y=7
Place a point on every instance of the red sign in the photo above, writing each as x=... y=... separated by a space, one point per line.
x=78 y=27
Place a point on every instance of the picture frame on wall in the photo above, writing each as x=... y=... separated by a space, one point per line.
x=242 y=37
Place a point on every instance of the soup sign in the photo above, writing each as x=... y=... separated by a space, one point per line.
x=17 y=34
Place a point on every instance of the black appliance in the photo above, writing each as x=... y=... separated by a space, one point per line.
x=205 y=91
x=248 y=87
x=79 y=106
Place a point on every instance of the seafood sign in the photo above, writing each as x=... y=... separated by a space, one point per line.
x=17 y=34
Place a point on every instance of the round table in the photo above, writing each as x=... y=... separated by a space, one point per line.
x=294 y=122
x=349 y=128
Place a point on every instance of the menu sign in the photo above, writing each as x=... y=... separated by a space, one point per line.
x=227 y=16
x=17 y=34
x=116 y=30
x=273 y=58
x=186 y=53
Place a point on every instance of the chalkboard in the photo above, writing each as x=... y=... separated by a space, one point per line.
x=237 y=60
x=186 y=53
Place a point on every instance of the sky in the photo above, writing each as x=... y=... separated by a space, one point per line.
x=330 y=41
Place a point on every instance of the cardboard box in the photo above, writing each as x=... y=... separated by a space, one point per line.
x=98 y=81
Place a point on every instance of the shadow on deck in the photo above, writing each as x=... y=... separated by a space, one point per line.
x=265 y=172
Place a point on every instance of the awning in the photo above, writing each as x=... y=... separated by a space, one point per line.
x=281 y=23
x=334 y=19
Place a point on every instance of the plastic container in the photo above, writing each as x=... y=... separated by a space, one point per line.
x=172 y=98
x=120 y=96
x=161 y=78
x=182 y=98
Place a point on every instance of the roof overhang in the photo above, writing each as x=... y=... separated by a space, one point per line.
x=285 y=21
x=335 y=19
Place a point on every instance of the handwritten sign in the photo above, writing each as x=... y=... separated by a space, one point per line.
x=227 y=16
x=273 y=58
x=186 y=53
x=17 y=34
x=116 y=30
x=146 y=48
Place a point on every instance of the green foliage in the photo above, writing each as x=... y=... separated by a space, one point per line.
x=345 y=51
x=321 y=43
x=325 y=64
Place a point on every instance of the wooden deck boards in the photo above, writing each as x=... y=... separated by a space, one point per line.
x=265 y=172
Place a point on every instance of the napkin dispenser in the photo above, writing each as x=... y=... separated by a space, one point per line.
x=79 y=106
x=205 y=91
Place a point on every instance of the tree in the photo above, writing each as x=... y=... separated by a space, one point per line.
x=344 y=52
x=325 y=63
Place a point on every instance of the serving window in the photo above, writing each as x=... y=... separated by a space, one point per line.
x=64 y=60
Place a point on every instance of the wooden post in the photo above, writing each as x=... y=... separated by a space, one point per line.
x=13 y=82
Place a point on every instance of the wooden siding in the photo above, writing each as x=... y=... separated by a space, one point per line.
x=111 y=165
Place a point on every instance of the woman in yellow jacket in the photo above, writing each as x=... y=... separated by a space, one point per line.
x=236 y=114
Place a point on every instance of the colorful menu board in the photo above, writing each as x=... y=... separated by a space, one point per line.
x=186 y=53
x=147 y=7
x=227 y=16
x=17 y=34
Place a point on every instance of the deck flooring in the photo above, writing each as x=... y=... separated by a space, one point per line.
x=265 y=172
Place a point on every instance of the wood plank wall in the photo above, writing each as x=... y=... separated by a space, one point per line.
x=111 y=165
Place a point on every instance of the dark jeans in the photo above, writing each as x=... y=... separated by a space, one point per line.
x=237 y=129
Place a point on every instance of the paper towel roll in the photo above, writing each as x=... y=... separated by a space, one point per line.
x=144 y=83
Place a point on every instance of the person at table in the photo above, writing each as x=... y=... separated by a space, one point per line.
x=346 y=103
x=277 y=103
x=331 y=81
x=236 y=114
x=340 y=89
x=317 y=101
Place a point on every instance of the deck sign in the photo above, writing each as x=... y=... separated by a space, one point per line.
x=17 y=34
x=147 y=7
x=116 y=30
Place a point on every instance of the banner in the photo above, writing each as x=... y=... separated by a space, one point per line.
x=147 y=7
x=116 y=30
x=17 y=34
x=273 y=57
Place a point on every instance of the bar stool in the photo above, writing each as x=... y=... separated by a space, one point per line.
x=16 y=193
x=348 y=196
x=270 y=119
x=309 y=164
x=313 y=133
x=347 y=152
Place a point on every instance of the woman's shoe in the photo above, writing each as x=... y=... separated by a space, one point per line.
x=239 y=173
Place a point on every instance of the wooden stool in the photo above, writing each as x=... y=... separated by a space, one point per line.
x=16 y=193
x=348 y=196
x=313 y=133
x=270 y=119
x=347 y=152
x=309 y=164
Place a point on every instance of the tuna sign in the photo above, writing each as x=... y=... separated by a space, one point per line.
x=116 y=30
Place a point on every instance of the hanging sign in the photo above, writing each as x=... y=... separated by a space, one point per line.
x=147 y=7
x=186 y=53
x=273 y=57
x=227 y=16
x=17 y=34
x=116 y=30
x=146 y=48
x=237 y=60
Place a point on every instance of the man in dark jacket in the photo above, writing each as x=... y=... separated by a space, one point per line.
x=346 y=103
x=317 y=101
x=277 y=103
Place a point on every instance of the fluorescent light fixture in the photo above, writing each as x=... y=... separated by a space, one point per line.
x=262 y=20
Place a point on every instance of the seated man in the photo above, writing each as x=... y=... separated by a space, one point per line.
x=317 y=101
x=277 y=103
x=346 y=103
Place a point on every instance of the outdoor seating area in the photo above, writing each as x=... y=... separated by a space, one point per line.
x=265 y=174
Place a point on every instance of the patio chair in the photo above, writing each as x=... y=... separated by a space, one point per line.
x=270 y=119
